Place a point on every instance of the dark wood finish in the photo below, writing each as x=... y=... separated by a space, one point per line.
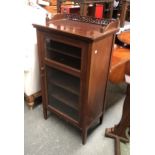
x=67 y=82
x=85 y=5
x=64 y=53
x=60 y=66
x=85 y=9
x=111 y=4
x=30 y=100
x=64 y=116
x=124 y=7
x=82 y=101
x=67 y=98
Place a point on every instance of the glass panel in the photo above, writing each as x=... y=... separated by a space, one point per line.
x=63 y=92
x=63 y=53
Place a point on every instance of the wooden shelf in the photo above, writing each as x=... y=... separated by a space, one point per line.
x=63 y=90
x=70 y=119
x=63 y=108
x=68 y=83
x=62 y=67
x=64 y=53
x=69 y=50
x=66 y=98
x=63 y=59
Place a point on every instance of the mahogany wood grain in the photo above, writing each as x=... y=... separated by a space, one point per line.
x=96 y=50
x=125 y=4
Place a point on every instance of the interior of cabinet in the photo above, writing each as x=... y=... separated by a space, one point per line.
x=65 y=81
x=63 y=92
x=54 y=103
x=65 y=54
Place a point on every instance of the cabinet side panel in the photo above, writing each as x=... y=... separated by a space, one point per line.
x=99 y=70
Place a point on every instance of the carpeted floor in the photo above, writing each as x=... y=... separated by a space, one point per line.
x=56 y=137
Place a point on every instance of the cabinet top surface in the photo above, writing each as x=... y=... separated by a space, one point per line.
x=73 y=27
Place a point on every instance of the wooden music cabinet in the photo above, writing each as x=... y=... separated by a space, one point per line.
x=74 y=59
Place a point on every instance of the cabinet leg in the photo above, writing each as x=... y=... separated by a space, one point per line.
x=101 y=119
x=84 y=135
x=45 y=113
